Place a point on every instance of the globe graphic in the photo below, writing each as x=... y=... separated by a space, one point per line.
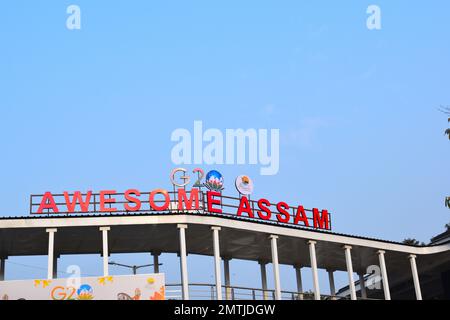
x=85 y=292
x=214 y=180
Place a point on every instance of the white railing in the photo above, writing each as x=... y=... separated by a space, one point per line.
x=198 y=291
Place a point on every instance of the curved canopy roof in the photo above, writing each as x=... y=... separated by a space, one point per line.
x=239 y=239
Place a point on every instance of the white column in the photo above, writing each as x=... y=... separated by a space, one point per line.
x=226 y=270
x=298 y=275
x=384 y=275
x=415 y=273
x=332 y=283
x=2 y=269
x=276 y=266
x=156 y=262
x=362 y=285
x=104 y=231
x=55 y=266
x=183 y=261
x=262 y=265
x=217 y=262
x=51 y=252
x=351 y=280
x=315 y=272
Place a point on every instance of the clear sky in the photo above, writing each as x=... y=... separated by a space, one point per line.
x=357 y=110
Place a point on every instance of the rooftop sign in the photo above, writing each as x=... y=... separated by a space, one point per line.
x=181 y=200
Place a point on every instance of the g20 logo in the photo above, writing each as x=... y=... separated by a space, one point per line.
x=186 y=178
x=63 y=293
x=214 y=180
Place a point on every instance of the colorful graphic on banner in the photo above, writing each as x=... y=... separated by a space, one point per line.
x=141 y=287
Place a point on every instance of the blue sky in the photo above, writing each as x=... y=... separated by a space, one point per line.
x=357 y=109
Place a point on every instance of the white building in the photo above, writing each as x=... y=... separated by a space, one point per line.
x=405 y=272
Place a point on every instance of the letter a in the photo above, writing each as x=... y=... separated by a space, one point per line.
x=374 y=20
x=73 y=22
x=48 y=203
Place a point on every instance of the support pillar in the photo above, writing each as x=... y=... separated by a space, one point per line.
x=51 y=252
x=362 y=285
x=55 y=267
x=262 y=265
x=2 y=268
x=315 y=272
x=217 y=262
x=384 y=275
x=415 y=273
x=332 y=283
x=298 y=275
x=351 y=280
x=226 y=270
x=276 y=266
x=104 y=231
x=183 y=261
x=156 y=262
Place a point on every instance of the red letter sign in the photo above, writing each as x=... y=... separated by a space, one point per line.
x=104 y=201
x=48 y=203
x=244 y=206
x=166 y=204
x=77 y=198
x=264 y=205
x=301 y=216
x=212 y=202
x=321 y=222
x=136 y=201
x=281 y=207
x=184 y=202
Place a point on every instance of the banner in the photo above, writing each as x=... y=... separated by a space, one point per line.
x=140 y=287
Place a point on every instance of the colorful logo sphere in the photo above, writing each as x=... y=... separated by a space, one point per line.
x=214 y=181
x=85 y=292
